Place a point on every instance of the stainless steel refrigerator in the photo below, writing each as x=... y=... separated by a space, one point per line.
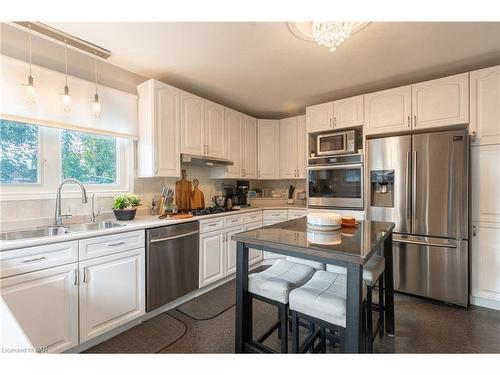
x=420 y=182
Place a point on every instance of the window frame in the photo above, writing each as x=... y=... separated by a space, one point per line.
x=50 y=171
x=39 y=167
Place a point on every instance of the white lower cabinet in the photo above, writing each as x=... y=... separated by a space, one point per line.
x=485 y=267
x=281 y=215
x=45 y=303
x=211 y=257
x=254 y=255
x=112 y=292
x=230 y=248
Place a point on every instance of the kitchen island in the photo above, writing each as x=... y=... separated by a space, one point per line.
x=351 y=248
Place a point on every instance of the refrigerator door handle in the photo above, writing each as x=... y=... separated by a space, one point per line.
x=414 y=186
x=423 y=243
x=407 y=186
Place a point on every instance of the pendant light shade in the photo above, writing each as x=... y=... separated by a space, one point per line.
x=30 y=87
x=66 y=98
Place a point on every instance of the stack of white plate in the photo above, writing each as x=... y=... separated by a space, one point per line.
x=323 y=221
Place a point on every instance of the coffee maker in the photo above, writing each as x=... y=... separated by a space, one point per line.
x=237 y=192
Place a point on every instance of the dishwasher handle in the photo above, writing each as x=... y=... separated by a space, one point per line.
x=161 y=239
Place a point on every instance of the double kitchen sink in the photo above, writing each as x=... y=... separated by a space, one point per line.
x=50 y=231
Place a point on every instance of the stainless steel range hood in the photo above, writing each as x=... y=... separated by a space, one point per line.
x=203 y=160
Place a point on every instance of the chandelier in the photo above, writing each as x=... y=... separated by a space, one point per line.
x=331 y=34
x=328 y=33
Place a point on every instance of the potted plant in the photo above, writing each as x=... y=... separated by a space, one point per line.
x=291 y=190
x=125 y=206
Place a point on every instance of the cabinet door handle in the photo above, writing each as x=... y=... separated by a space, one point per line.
x=116 y=244
x=474 y=232
x=334 y=122
x=409 y=121
x=414 y=121
x=34 y=260
x=331 y=123
x=76 y=277
x=85 y=275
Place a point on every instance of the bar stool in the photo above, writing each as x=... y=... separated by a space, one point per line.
x=322 y=302
x=372 y=275
x=273 y=286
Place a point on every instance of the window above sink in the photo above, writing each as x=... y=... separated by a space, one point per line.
x=34 y=159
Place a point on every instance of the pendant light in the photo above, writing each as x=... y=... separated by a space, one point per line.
x=30 y=87
x=66 y=98
x=96 y=105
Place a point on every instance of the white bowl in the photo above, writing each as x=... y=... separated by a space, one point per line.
x=323 y=219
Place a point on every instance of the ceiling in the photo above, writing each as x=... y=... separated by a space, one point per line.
x=262 y=69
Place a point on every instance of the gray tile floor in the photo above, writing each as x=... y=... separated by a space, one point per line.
x=422 y=326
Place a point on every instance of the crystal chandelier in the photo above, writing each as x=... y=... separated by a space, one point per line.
x=331 y=34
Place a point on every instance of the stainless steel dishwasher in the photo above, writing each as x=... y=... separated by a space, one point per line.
x=172 y=260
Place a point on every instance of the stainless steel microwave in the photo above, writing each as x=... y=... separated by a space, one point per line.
x=338 y=143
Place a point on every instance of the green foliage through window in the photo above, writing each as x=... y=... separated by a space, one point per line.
x=88 y=158
x=18 y=153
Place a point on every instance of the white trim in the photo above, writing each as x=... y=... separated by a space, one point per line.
x=484 y=302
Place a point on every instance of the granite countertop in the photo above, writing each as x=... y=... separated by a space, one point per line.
x=140 y=222
x=343 y=245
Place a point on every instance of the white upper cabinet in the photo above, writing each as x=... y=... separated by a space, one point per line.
x=192 y=124
x=45 y=304
x=159 y=130
x=348 y=112
x=301 y=146
x=269 y=149
x=441 y=102
x=485 y=106
x=319 y=117
x=215 y=130
x=387 y=111
x=288 y=147
x=234 y=141
x=249 y=146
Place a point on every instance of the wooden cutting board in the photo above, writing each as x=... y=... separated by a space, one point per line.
x=183 y=192
x=197 y=199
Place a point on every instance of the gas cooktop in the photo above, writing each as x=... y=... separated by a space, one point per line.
x=209 y=211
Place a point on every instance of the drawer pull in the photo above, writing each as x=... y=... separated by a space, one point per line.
x=276 y=215
x=34 y=260
x=213 y=224
x=116 y=244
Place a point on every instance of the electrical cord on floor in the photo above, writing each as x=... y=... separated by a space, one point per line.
x=209 y=318
x=177 y=339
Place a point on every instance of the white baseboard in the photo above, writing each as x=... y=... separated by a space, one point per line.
x=484 y=302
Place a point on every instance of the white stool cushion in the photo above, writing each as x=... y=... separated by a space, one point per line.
x=323 y=297
x=278 y=280
x=371 y=270
x=316 y=265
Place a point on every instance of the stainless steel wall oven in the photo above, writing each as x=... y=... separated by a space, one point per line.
x=335 y=182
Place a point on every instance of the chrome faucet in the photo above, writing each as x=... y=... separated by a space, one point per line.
x=58 y=217
x=93 y=214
